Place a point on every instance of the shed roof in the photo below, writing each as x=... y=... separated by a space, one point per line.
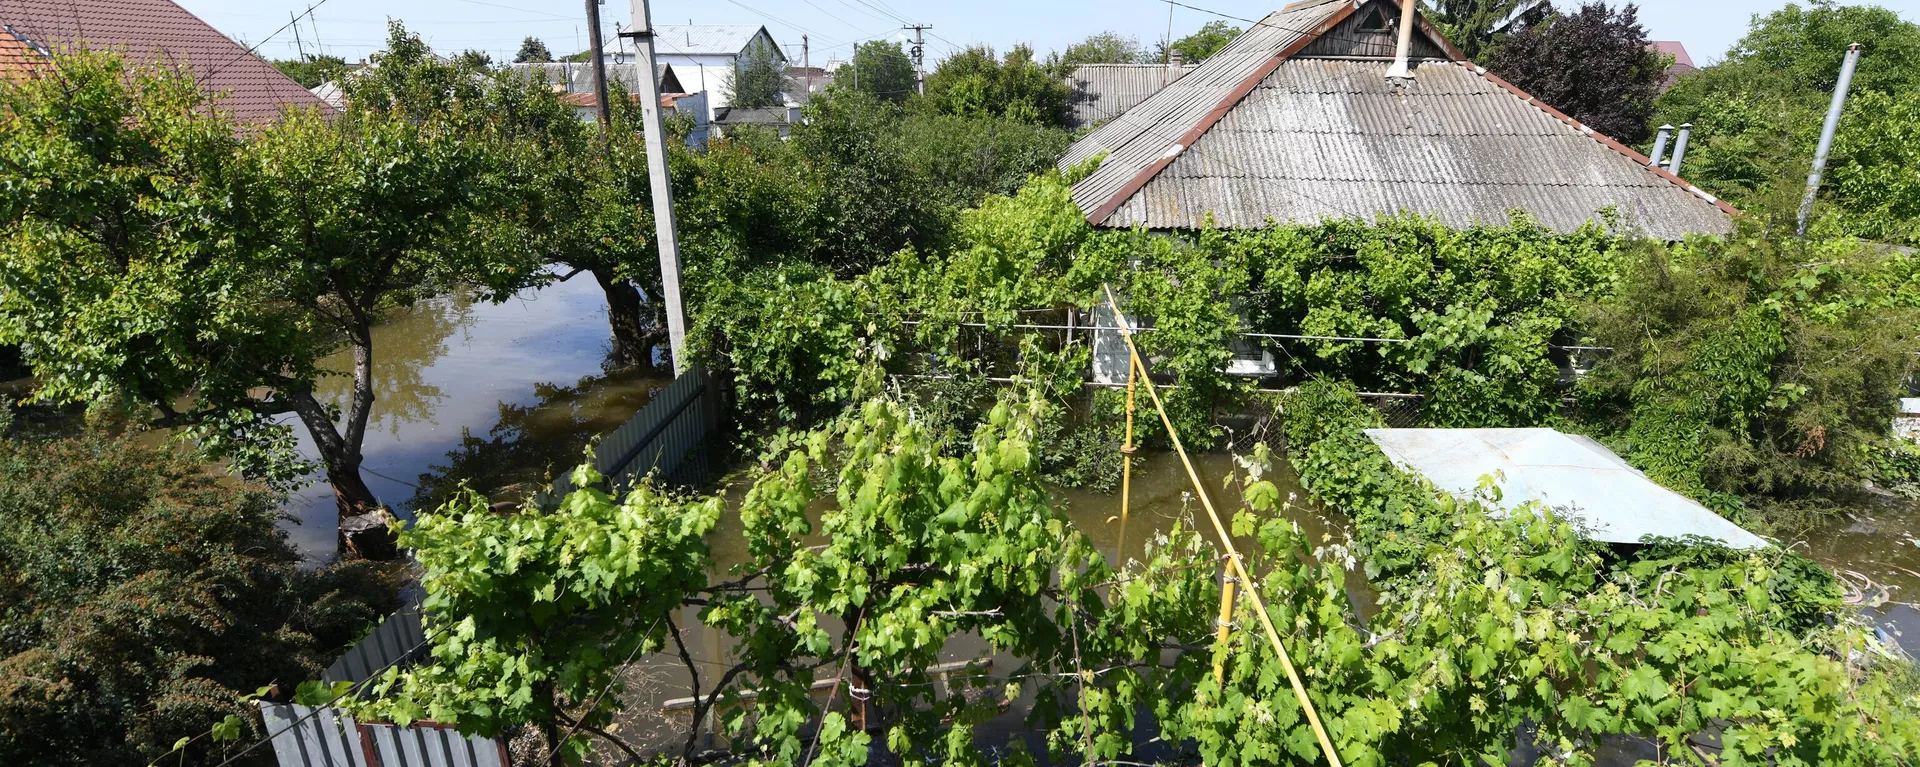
x=707 y=39
x=1101 y=92
x=1583 y=481
x=1294 y=122
x=160 y=31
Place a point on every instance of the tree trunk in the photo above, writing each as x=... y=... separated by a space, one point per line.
x=630 y=342
x=341 y=462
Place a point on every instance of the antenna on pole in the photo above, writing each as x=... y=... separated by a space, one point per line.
x=919 y=55
x=663 y=223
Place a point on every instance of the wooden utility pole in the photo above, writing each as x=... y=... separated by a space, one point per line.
x=663 y=223
x=599 y=65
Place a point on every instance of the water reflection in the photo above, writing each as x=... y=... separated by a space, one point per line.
x=450 y=369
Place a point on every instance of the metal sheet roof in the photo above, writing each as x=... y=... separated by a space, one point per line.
x=160 y=31
x=1101 y=92
x=707 y=39
x=1583 y=481
x=577 y=77
x=1258 y=133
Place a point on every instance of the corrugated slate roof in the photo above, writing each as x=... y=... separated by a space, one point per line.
x=1257 y=134
x=163 y=32
x=1102 y=92
x=706 y=39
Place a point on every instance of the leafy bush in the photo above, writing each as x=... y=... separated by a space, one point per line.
x=144 y=597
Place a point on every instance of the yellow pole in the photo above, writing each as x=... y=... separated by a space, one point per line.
x=1224 y=624
x=1233 y=556
x=1126 y=469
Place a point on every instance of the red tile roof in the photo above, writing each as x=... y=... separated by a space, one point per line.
x=17 y=58
x=160 y=31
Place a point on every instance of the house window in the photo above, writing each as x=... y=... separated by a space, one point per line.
x=1374 y=21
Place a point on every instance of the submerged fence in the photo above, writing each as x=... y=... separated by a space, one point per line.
x=668 y=440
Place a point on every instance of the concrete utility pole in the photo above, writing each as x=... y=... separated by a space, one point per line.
x=663 y=223
x=806 y=63
x=1826 y=135
x=919 y=55
x=599 y=65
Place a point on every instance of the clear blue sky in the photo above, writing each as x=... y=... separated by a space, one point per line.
x=354 y=28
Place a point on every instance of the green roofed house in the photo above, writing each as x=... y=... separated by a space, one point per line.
x=1297 y=121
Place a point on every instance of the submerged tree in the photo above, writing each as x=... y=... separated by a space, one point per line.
x=161 y=260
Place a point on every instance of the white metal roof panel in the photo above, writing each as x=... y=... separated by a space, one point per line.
x=1583 y=481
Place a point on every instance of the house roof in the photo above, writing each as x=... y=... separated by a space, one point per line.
x=1675 y=49
x=1294 y=122
x=158 y=31
x=1101 y=92
x=1580 y=479
x=577 y=77
x=707 y=39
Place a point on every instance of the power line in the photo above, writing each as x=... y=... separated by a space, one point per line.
x=256 y=46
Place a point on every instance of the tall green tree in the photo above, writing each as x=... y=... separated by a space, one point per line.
x=1107 y=47
x=1477 y=26
x=1196 y=47
x=159 y=259
x=977 y=83
x=532 y=51
x=312 y=70
x=760 y=79
x=147 y=597
x=1757 y=113
x=1593 y=64
x=879 y=68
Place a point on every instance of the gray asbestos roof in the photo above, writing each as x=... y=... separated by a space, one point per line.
x=1581 y=480
x=705 y=39
x=1102 y=92
x=1264 y=131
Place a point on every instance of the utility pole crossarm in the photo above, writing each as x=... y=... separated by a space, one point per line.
x=656 y=142
x=919 y=56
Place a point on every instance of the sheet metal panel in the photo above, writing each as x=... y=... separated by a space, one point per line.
x=397 y=640
x=329 y=737
x=1580 y=479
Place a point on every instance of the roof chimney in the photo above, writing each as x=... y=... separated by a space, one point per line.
x=1660 y=146
x=1176 y=58
x=1680 y=148
x=1400 y=54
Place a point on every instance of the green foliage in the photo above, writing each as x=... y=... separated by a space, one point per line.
x=1874 y=184
x=145 y=597
x=967 y=159
x=539 y=602
x=532 y=51
x=1016 y=88
x=1197 y=47
x=760 y=79
x=1752 y=367
x=879 y=68
x=1477 y=26
x=312 y=70
x=1486 y=626
x=1593 y=64
x=1757 y=114
x=1107 y=47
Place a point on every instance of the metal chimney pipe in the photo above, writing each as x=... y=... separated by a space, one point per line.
x=1660 y=146
x=1401 y=53
x=1680 y=148
x=1826 y=135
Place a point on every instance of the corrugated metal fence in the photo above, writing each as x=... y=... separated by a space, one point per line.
x=667 y=440
x=398 y=640
x=328 y=737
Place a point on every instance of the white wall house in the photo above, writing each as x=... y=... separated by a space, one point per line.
x=706 y=56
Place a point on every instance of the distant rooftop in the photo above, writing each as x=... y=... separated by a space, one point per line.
x=1580 y=479
x=706 y=39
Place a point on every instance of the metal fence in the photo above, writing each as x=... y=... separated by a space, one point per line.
x=667 y=440
x=329 y=737
x=398 y=640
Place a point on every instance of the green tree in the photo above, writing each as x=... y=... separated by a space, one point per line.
x=976 y=83
x=475 y=60
x=212 y=310
x=1196 y=47
x=880 y=69
x=1477 y=26
x=1592 y=64
x=146 y=598
x=532 y=51
x=311 y=70
x=760 y=80
x=1099 y=48
x=1757 y=114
